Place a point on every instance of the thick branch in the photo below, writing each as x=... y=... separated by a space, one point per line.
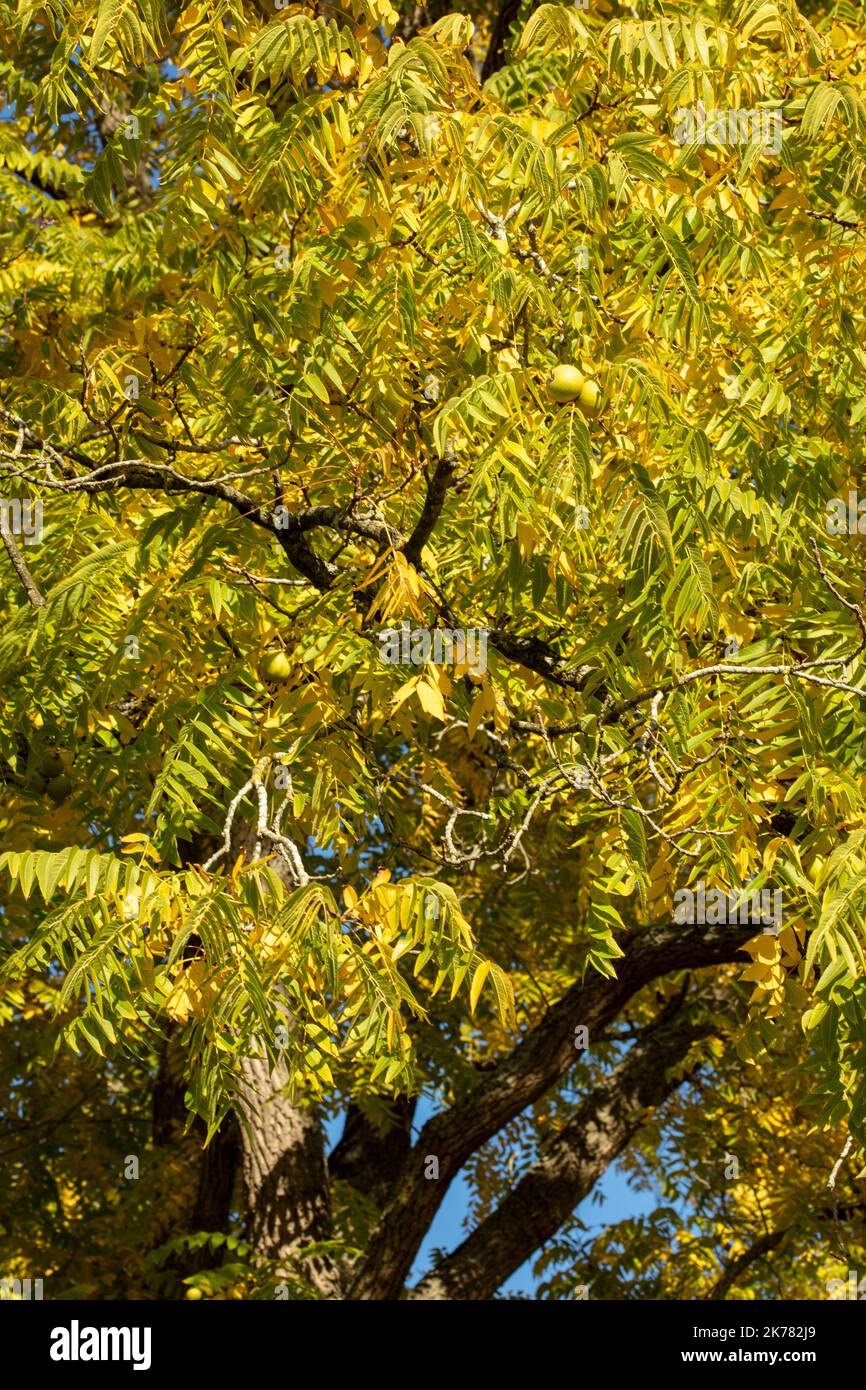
x=368 y=1156
x=136 y=474
x=544 y=1198
x=437 y=488
x=495 y=56
x=521 y=1078
x=290 y=528
x=538 y=656
x=761 y=1247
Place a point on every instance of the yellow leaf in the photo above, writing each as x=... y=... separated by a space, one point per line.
x=405 y=691
x=138 y=844
x=567 y=568
x=484 y=703
x=477 y=983
x=789 y=197
x=431 y=700
x=764 y=948
x=527 y=539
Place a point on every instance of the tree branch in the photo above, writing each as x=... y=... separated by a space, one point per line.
x=520 y=1078
x=602 y=1126
x=19 y=564
x=761 y=1247
x=437 y=488
x=495 y=57
x=368 y=1155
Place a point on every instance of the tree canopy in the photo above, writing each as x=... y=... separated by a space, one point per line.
x=281 y=291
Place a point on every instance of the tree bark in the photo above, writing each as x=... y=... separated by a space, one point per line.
x=205 y=1202
x=285 y=1174
x=283 y=1157
x=217 y=1178
x=521 y=1078
x=370 y=1158
x=603 y=1125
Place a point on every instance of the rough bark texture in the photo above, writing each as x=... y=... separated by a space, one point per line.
x=217 y=1178
x=517 y=1081
x=369 y=1157
x=284 y=1170
x=284 y=1165
x=544 y=1198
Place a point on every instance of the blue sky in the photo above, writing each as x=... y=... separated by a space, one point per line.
x=618 y=1200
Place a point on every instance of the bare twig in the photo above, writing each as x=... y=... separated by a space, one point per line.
x=34 y=597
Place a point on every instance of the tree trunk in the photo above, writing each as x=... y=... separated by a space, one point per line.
x=285 y=1175
x=283 y=1158
x=495 y=57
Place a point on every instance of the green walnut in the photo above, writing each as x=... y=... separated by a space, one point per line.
x=52 y=764
x=275 y=668
x=565 y=382
x=589 y=397
x=59 y=787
